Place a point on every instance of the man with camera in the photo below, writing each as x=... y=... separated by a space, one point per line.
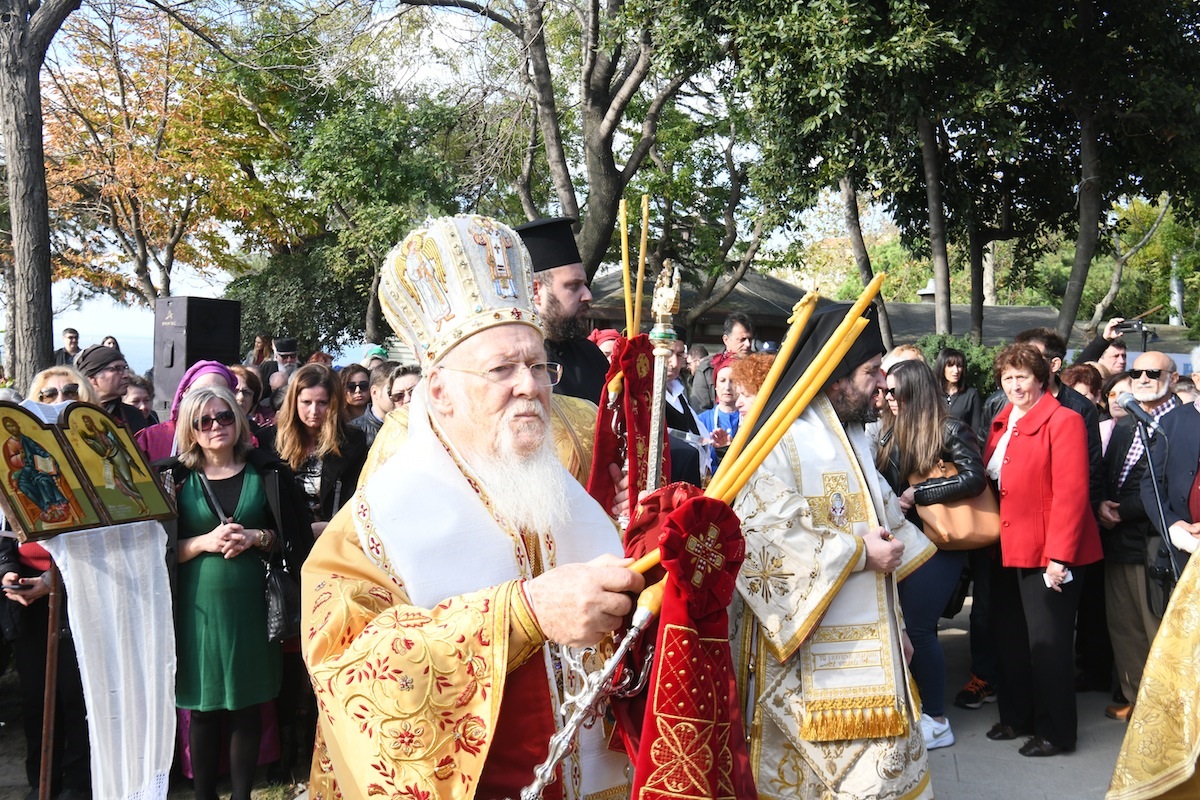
x=1108 y=349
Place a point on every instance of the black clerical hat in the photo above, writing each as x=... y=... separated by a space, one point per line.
x=819 y=330
x=550 y=242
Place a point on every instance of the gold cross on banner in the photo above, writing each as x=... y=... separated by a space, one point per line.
x=708 y=556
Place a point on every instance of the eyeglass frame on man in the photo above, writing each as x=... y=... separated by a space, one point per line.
x=222 y=418
x=1152 y=374
x=402 y=396
x=114 y=368
x=553 y=372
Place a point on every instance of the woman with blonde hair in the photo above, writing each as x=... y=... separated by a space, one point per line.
x=60 y=385
x=236 y=506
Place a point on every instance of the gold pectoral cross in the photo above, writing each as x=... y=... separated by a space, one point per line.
x=838 y=507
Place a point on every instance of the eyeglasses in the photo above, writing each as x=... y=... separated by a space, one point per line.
x=358 y=386
x=545 y=373
x=222 y=418
x=890 y=393
x=114 y=368
x=244 y=390
x=1152 y=374
x=69 y=392
x=402 y=396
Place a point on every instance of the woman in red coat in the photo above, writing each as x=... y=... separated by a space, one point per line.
x=1037 y=454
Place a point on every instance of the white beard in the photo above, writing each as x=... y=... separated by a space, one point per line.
x=528 y=492
x=1151 y=395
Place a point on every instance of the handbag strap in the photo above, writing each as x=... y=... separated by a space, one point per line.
x=212 y=497
x=219 y=511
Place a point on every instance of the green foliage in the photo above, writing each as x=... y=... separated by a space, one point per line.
x=297 y=293
x=980 y=358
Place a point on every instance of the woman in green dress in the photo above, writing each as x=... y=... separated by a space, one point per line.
x=236 y=506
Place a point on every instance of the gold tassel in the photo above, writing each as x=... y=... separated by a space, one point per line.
x=839 y=720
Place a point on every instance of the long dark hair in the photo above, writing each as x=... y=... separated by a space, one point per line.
x=949 y=356
x=917 y=430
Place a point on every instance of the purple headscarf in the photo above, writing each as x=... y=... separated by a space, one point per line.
x=194 y=372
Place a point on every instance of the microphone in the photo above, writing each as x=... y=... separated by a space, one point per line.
x=1128 y=402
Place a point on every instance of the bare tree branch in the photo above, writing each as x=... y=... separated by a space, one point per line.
x=1114 y=285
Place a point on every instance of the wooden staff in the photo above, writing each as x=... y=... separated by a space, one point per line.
x=50 y=696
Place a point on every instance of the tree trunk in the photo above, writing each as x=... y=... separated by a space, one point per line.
x=10 y=302
x=937 y=224
x=547 y=114
x=1122 y=258
x=978 y=247
x=861 y=258
x=989 y=275
x=1089 y=224
x=30 y=315
x=23 y=43
x=373 y=323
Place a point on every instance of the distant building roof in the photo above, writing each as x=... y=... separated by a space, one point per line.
x=768 y=302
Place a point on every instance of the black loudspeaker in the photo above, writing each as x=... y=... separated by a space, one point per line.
x=187 y=330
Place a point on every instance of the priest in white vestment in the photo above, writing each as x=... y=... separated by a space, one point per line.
x=437 y=601
x=818 y=636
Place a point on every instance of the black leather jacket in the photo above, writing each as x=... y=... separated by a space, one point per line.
x=959 y=447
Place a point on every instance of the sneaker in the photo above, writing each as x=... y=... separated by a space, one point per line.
x=975 y=693
x=937 y=734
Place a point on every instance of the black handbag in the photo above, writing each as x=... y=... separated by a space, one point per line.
x=282 y=587
x=283 y=600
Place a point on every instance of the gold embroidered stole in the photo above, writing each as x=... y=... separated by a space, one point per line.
x=834 y=632
x=438 y=536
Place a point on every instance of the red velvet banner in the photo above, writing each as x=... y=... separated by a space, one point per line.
x=685 y=733
x=634 y=358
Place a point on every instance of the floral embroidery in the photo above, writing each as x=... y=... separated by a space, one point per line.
x=470 y=734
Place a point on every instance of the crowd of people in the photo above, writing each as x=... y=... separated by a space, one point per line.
x=252 y=472
x=466 y=603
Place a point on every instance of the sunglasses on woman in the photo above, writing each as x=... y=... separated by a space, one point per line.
x=358 y=386
x=222 y=418
x=69 y=392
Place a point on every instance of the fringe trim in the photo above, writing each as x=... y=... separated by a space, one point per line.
x=853 y=718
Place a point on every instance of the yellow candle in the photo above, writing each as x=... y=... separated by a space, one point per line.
x=622 y=217
x=719 y=484
x=793 y=407
x=729 y=482
x=800 y=314
x=641 y=276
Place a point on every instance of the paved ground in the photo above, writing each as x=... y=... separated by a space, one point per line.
x=974 y=768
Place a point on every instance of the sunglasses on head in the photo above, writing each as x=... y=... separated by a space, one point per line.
x=358 y=386
x=69 y=392
x=222 y=418
x=1152 y=374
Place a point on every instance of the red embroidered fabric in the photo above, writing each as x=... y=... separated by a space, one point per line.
x=685 y=732
x=635 y=358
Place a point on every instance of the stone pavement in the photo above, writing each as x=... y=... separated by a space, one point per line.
x=976 y=768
